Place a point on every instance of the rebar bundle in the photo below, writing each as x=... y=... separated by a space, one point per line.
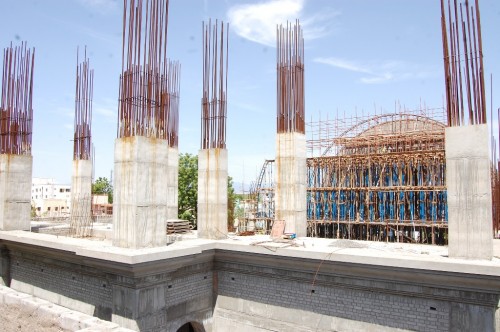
x=82 y=144
x=290 y=82
x=144 y=80
x=16 y=112
x=214 y=99
x=462 y=45
x=173 y=93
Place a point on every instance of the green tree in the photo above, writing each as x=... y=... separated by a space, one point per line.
x=102 y=186
x=188 y=187
x=188 y=191
x=231 y=199
x=239 y=211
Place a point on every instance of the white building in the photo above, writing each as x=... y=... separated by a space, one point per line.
x=50 y=199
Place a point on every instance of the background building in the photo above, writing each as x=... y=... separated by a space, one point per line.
x=50 y=199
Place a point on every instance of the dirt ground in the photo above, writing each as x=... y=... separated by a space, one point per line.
x=14 y=318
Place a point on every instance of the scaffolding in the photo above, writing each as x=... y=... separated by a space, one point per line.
x=259 y=214
x=378 y=177
x=375 y=177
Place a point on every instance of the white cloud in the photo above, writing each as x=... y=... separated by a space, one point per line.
x=257 y=22
x=383 y=78
x=101 y=5
x=379 y=72
x=343 y=64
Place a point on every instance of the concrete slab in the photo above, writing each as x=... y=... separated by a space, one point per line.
x=65 y=318
x=363 y=252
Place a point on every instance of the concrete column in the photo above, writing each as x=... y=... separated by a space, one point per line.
x=212 y=193
x=140 y=192
x=291 y=187
x=468 y=180
x=81 y=191
x=15 y=192
x=173 y=183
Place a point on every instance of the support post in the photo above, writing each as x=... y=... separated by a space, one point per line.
x=291 y=187
x=15 y=192
x=212 y=193
x=468 y=180
x=173 y=183
x=140 y=193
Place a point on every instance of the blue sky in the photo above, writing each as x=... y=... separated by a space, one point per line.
x=359 y=53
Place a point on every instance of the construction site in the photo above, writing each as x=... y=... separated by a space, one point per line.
x=370 y=222
x=381 y=176
x=378 y=178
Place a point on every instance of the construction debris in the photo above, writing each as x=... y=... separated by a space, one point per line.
x=178 y=227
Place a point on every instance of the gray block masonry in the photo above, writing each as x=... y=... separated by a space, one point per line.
x=231 y=285
x=468 y=178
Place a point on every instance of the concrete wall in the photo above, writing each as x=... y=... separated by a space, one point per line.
x=15 y=191
x=468 y=179
x=140 y=192
x=291 y=186
x=227 y=286
x=173 y=183
x=158 y=295
x=212 y=194
x=266 y=293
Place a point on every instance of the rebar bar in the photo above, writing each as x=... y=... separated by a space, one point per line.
x=465 y=41
x=82 y=143
x=16 y=111
x=214 y=99
x=290 y=81
x=144 y=83
x=173 y=95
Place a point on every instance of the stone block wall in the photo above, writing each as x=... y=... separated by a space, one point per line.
x=234 y=290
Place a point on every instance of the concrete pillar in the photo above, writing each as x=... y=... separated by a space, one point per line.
x=81 y=182
x=291 y=187
x=468 y=180
x=140 y=192
x=212 y=193
x=81 y=196
x=173 y=183
x=15 y=192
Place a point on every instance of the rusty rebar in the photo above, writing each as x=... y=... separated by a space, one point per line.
x=173 y=95
x=214 y=98
x=144 y=80
x=290 y=79
x=16 y=111
x=465 y=40
x=82 y=143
